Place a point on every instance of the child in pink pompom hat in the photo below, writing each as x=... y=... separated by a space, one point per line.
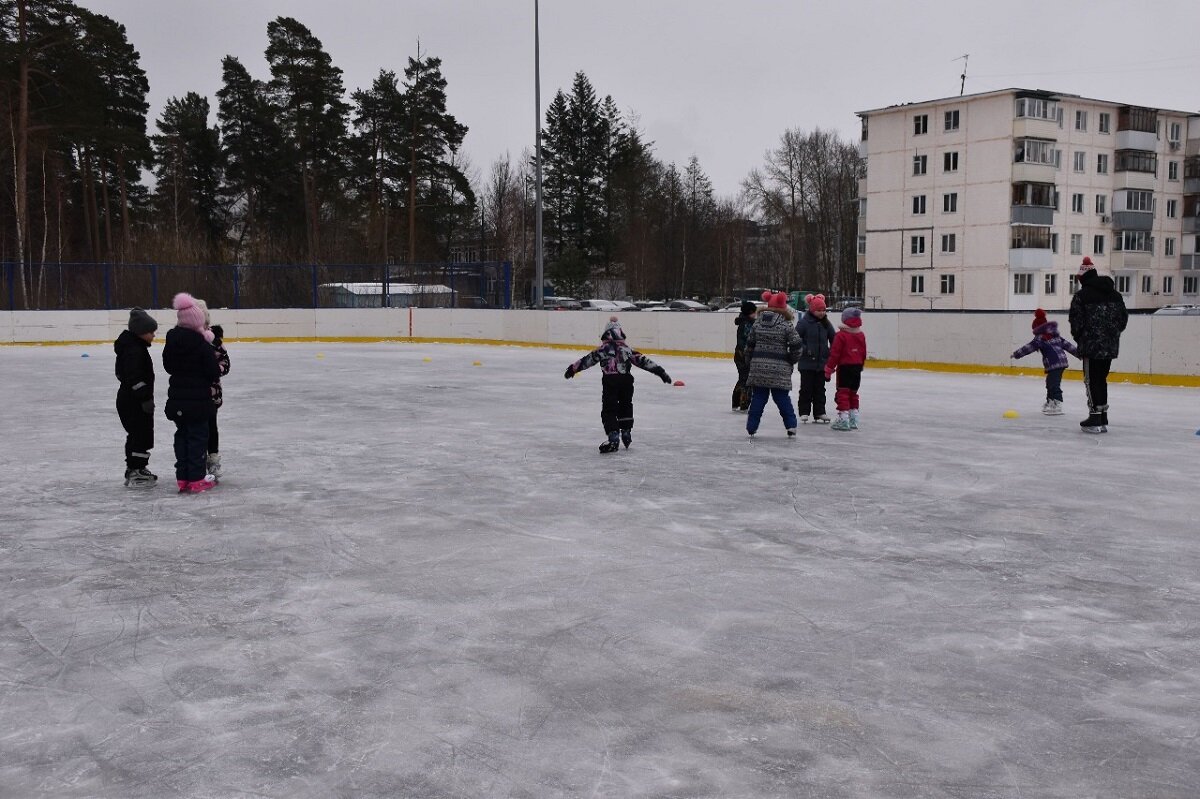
x=189 y=359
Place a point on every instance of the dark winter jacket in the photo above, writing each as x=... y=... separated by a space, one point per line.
x=849 y=349
x=192 y=365
x=744 y=323
x=615 y=358
x=135 y=370
x=1097 y=317
x=1054 y=348
x=773 y=346
x=222 y=354
x=816 y=336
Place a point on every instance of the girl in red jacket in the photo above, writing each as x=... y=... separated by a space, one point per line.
x=847 y=356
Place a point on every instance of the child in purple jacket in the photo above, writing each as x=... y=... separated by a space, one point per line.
x=1054 y=349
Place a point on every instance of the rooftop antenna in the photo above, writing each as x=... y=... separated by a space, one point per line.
x=962 y=86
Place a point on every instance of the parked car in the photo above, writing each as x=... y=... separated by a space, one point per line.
x=561 y=304
x=848 y=302
x=736 y=307
x=687 y=305
x=599 y=305
x=718 y=303
x=651 y=305
x=1178 y=310
x=622 y=305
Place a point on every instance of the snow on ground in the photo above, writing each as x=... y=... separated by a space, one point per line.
x=420 y=579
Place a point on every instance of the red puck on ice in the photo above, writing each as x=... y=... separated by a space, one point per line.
x=677 y=383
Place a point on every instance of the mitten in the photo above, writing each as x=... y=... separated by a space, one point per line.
x=569 y=373
x=828 y=375
x=666 y=378
x=218 y=331
x=148 y=406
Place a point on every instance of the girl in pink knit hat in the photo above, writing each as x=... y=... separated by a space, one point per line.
x=189 y=359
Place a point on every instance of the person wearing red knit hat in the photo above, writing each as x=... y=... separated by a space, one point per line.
x=1054 y=349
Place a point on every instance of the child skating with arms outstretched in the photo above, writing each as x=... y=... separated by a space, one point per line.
x=1054 y=349
x=616 y=398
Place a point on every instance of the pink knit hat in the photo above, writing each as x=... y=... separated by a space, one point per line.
x=190 y=314
x=776 y=301
x=815 y=302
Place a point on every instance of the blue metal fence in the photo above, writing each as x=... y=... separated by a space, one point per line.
x=101 y=286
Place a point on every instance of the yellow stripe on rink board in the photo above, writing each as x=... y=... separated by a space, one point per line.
x=1189 y=381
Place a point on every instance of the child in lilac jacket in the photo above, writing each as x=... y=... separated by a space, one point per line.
x=1054 y=349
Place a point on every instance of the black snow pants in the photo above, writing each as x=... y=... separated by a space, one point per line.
x=139 y=430
x=616 y=402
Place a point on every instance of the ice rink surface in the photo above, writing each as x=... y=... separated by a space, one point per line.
x=420 y=579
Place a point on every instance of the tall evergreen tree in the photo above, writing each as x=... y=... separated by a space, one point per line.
x=307 y=90
x=187 y=158
x=378 y=153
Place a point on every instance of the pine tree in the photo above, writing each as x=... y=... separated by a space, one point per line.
x=187 y=158
x=377 y=154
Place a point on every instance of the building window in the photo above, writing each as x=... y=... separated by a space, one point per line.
x=950 y=162
x=1076 y=244
x=1172 y=170
x=1030 y=237
x=1023 y=283
x=1133 y=118
x=1102 y=164
x=1034 y=151
x=1147 y=284
x=1042 y=194
x=1102 y=203
x=920 y=124
x=1139 y=200
x=1169 y=247
x=1080 y=159
x=918 y=245
x=1172 y=207
x=1073 y=280
x=1168 y=285
x=1098 y=245
x=1037 y=108
x=952 y=120
x=1081 y=121
x=1137 y=161
x=920 y=164
x=1173 y=134
x=1123 y=284
x=949 y=242
x=1050 y=284
x=918 y=204
x=916 y=284
x=950 y=203
x=1077 y=203
x=1190 y=284
x=1105 y=124
x=862 y=245
x=1053 y=242
x=947 y=284
x=1133 y=241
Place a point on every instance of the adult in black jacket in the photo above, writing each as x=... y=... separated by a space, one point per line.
x=192 y=363
x=1097 y=318
x=135 y=397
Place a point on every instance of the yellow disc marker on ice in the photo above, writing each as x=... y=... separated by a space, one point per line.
x=1011 y=414
x=320 y=355
x=477 y=363
x=427 y=360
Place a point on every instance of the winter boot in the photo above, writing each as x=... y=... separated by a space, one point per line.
x=1094 y=423
x=200 y=486
x=613 y=444
x=213 y=464
x=853 y=420
x=140 y=478
x=842 y=422
x=821 y=418
x=626 y=438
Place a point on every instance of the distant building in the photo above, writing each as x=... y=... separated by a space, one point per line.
x=400 y=295
x=990 y=201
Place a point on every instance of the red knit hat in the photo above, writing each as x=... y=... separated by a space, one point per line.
x=1086 y=265
x=1039 y=318
x=776 y=301
x=815 y=302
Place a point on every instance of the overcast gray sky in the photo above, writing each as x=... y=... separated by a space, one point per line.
x=721 y=80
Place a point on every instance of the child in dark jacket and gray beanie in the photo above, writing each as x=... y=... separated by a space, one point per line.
x=135 y=397
x=1054 y=349
x=773 y=347
x=616 y=399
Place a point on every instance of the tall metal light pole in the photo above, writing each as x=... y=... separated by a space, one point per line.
x=537 y=160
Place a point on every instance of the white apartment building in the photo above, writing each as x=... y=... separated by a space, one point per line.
x=990 y=201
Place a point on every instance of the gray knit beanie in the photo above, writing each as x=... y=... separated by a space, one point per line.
x=141 y=322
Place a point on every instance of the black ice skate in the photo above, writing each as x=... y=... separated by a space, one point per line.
x=612 y=445
x=140 y=478
x=626 y=438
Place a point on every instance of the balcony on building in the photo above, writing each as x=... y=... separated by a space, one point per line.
x=1029 y=248
x=1033 y=204
x=1132 y=220
x=1137 y=129
x=1191 y=174
x=1131 y=249
x=1191 y=213
x=1036 y=114
x=1190 y=263
x=1034 y=160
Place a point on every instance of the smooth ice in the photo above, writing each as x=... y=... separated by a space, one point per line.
x=420 y=579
